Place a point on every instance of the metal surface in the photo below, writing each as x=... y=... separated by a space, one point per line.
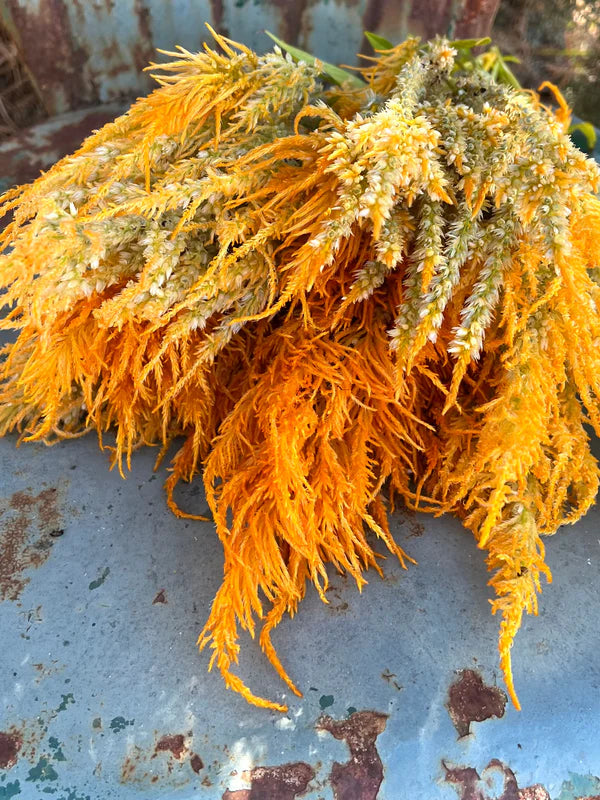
x=103 y=694
x=34 y=149
x=93 y=51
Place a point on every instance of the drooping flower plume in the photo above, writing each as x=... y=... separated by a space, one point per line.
x=341 y=297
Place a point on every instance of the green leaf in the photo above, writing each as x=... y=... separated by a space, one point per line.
x=506 y=74
x=337 y=74
x=377 y=42
x=499 y=70
x=468 y=44
x=588 y=130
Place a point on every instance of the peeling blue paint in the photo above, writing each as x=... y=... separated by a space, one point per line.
x=56 y=747
x=11 y=789
x=66 y=700
x=325 y=701
x=43 y=771
x=579 y=786
x=118 y=724
x=100 y=579
x=73 y=795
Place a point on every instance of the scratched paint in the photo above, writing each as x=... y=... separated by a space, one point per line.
x=65 y=701
x=43 y=771
x=325 y=701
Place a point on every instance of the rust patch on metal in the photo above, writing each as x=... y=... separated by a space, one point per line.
x=46 y=670
x=52 y=53
x=285 y=782
x=11 y=742
x=174 y=744
x=142 y=13
x=135 y=766
x=336 y=604
x=372 y=21
x=68 y=138
x=426 y=18
x=161 y=597
x=390 y=677
x=416 y=528
x=538 y=792
x=471 y=700
x=143 y=50
x=21 y=741
x=129 y=766
x=171 y=769
x=361 y=776
x=465 y=781
x=476 y=19
x=217 y=17
x=22 y=516
x=196 y=763
x=469 y=785
x=291 y=23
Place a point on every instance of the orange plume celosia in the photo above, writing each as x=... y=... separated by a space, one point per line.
x=336 y=296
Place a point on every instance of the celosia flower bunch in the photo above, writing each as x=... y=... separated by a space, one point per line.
x=339 y=296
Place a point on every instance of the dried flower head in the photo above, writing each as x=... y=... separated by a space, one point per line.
x=337 y=296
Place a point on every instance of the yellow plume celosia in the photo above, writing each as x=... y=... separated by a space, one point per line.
x=337 y=296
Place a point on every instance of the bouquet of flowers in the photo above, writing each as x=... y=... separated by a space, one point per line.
x=342 y=291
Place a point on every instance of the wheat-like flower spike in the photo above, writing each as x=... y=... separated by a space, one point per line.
x=340 y=298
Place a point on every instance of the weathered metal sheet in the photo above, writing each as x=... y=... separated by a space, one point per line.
x=84 y=52
x=33 y=150
x=103 y=695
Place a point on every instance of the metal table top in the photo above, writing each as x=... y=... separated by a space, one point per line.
x=105 y=696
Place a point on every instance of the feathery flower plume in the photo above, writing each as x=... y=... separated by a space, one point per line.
x=337 y=295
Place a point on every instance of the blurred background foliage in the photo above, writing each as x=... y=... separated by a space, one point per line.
x=555 y=40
